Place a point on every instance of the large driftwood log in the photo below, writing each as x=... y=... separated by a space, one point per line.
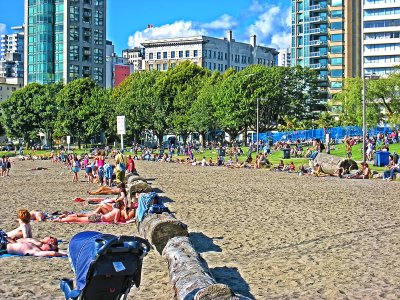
x=158 y=229
x=132 y=178
x=190 y=276
x=331 y=163
x=138 y=186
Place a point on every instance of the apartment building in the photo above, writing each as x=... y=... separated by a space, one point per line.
x=135 y=57
x=212 y=53
x=284 y=58
x=117 y=68
x=65 y=40
x=12 y=53
x=326 y=38
x=8 y=86
x=381 y=22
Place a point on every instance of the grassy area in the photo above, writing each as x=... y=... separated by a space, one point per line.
x=274 y=158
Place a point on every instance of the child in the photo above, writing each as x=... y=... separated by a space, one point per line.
x=108 y=172
x=24 y=230
x=292 y=167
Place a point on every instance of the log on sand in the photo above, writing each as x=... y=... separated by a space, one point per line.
x=138 y=186
x=158 y=229
x=190 y=276
x=331 y=163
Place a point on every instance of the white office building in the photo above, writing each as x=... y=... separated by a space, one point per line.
x=212 y=53
x=284 y=58
x=135 y=57
x=12 y=53
x=381 y=36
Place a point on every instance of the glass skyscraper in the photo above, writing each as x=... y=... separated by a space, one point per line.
x=65 y=40
x=325 y=37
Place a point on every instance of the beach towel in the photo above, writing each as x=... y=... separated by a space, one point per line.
x=146 y=200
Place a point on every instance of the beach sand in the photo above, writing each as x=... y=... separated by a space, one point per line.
x=267 y=235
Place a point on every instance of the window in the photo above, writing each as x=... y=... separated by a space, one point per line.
x=165 y=67
x=98 y=37
x=337 y=37
x=165 y=55
x=150 y=55
x=99 y=2
x=98 y=74
x=151 y=67
x=337 y=61
x=337 y=49
x=98 y=18
x=336 y=84
x=336 y=26
x=187 y=53
x=172 y=54
x=74 y=33
x=337 y=14
x=73 y=71
x=336 y=2
x=86 y=71
x=73 y=53
x=337 y=73
x=180 y=54
x=98 y=56
x=195 y=53
x=159 y=67
x=158 y=55
x=74 y=13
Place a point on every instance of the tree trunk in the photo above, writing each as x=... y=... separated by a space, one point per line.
x=160 y=139
x=245 y=136
x=158 y=229
x=79 y=142
x=203 y=139
x=189 y=274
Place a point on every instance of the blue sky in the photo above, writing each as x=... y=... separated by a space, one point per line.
x=127 y=20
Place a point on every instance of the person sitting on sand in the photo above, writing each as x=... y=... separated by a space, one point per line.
x=48 y=247
x=280 y=167
x=24 y=229
x=365 y=172
x=113 y=216
x=292 y=167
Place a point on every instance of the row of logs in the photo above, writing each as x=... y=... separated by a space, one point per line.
x=190 y=276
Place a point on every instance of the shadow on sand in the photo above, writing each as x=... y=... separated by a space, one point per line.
x=203 y=243
x=232 y=278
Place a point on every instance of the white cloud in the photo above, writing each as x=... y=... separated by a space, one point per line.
x=177 y=29
x=223 y=22
x=3 y=28
x=272 y=27
x=256 y=7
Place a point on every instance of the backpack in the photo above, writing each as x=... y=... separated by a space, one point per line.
x=122 y=166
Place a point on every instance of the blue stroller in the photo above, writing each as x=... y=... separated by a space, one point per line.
x=105 y=266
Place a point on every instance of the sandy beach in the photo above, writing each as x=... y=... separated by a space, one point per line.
x=267 y=235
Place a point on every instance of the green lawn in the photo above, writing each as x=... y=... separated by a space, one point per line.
x=274 y=158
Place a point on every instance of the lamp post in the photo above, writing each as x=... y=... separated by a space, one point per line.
x=364 y=112
x=258 y=113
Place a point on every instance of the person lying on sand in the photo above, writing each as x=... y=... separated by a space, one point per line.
x=115 y=216
x=24 y=230
x=38 y=169
x=104 y=190
x=46 y=247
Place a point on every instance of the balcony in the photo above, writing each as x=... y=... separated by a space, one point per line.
x=318 y=66
x=318 y=7
x=322 y=77
x=317 y=43
x=318 y=19
x=318 y=30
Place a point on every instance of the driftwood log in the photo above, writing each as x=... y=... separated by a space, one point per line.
x=331 y=163
x=158 y=229
x=190 y=276
x=131 y=178
x=138 y=186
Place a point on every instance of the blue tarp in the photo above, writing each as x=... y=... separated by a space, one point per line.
x=336 y=133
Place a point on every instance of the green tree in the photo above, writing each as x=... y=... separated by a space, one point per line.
x=74 y=103
x=182 y=84
x=19 y=116
x=351 y=99
x=201 y=113
x=46 y=109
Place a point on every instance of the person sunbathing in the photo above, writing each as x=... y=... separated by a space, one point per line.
x=24 y=229
x=28 y=246
x=113 y=216
x=365 y=172
x=104 y=190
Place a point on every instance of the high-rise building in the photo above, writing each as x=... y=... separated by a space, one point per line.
x=381 y=36
x=284 y=57
x=212 y=53
x=326 y=38
x=12 y=53
x=65 y=40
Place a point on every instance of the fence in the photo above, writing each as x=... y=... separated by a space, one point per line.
x=336 y=133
